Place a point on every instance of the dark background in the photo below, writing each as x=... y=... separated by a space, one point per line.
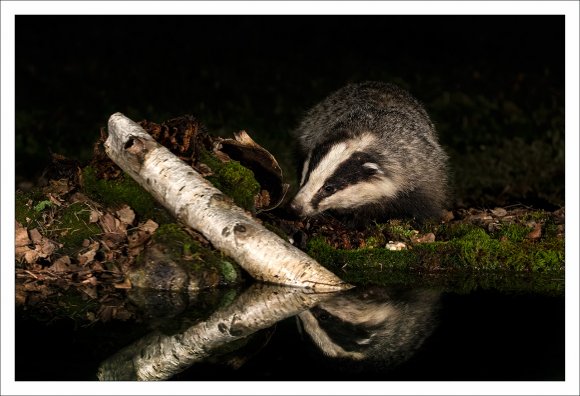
x=494 y=85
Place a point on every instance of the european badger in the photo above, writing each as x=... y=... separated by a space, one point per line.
x=371 y=153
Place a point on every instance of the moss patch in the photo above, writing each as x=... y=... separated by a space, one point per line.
x=188 y=260
x=74 y=227
x=114 y=193
x=232 y=179
x=461 y=249
x=27 y=205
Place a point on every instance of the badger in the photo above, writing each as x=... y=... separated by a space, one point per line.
x=371 y=153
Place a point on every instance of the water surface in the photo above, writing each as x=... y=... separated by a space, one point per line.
x=362 y=334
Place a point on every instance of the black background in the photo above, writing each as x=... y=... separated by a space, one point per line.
x=260 y=73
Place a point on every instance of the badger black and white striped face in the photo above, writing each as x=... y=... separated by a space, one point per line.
x=342 y=175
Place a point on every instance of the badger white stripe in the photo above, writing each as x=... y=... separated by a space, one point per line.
x=326 y=167
x=305 y=168
x=360 y=194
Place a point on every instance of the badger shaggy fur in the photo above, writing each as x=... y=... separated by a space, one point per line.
x=371 y=152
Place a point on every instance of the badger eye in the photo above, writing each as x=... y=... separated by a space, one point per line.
x=329 y=188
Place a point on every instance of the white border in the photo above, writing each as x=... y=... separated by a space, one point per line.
x=287 y=7
x=569 y=8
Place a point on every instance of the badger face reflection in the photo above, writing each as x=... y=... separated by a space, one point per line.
x=373 y=324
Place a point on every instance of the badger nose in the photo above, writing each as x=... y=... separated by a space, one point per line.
x=296 y=208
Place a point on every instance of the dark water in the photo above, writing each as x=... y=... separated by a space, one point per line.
x=378 y=334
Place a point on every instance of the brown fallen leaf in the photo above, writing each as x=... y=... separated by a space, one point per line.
x=90 y=291
x=43 y=247
x=21 y=242
x=61 y=264
x=126 y=284
x=88 y=256
x=110 y=224
x=536 y=232
x=94 y=216
x=429 y=237
x=126 y=215
x=150 y=226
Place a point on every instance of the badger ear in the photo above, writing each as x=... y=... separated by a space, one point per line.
x=372 y=168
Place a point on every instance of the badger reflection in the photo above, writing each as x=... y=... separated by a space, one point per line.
x=384 y=327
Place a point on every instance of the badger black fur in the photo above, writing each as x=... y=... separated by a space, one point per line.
x=371 y=152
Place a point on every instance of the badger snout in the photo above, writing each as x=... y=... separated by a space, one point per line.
x=301 y=208
x=296 y=207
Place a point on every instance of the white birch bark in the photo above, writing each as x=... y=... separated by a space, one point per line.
x=197 y=203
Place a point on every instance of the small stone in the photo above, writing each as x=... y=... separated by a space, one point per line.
x=396 y=245
x=499 y=212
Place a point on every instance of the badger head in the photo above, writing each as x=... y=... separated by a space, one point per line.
x=343 y=175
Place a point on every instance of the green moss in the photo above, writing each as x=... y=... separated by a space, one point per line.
x=468 y=250
x=375 y=241
x=537 y=215
x=181 y=248
x=115 y=193
x=229 y=271
x=233 y=180
x=176 y=241
x=73 y=227
x=513 y=232
x=453 y=230
x=396 y=230
x=42 y=205
x=25 y=204
x=71 y=223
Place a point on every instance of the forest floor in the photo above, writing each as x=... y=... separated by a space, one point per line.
x=81 y=239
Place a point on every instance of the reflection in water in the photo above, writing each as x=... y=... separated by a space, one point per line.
x=382 y=326
x=160 y=356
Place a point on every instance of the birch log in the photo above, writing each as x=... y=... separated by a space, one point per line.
x=197 y=203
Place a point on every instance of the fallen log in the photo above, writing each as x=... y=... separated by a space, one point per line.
x=197 y=203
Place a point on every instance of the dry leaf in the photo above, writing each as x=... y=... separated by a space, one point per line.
x=94 y=216
x=61 y=264
x=88 y=256
x=150 y=226
x=429 y=237
x=126 y=215
x=126 y=284
x=536 y=232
